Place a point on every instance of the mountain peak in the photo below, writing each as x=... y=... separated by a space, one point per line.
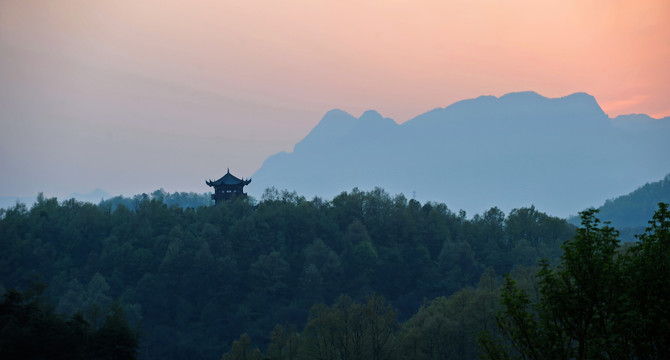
x=580 y=94
x=534 y=96
x=372 y=117
x=579 y=103
x=581 y=97
x=337 y=124
x=523 y=95
x=336 y=114
x=371 y=114
x=583 y=103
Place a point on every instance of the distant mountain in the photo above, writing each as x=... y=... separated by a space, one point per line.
x=634 y=210
x=177 y=199
x=10 y=201
x=94 y=197
x=561 y=155
x=102 y=198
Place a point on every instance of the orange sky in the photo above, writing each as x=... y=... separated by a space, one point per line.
x=253 y=77
x=400 y=57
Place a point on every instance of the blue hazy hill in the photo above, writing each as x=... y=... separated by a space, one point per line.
x=634 y=210
x=561 y=155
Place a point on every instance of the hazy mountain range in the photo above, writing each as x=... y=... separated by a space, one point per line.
x=561 y=155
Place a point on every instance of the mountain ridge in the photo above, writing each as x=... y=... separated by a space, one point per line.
x=516 y=150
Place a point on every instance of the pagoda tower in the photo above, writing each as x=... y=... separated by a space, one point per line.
x=227 y=187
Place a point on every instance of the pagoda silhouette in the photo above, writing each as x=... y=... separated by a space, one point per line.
x=227 y=187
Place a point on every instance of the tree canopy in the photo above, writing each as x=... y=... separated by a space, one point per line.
x=602 y=301
x=195 y=278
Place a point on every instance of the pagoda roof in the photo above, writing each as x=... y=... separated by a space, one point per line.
x=228 y=179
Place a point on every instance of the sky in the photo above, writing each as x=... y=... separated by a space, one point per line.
x=132 y=96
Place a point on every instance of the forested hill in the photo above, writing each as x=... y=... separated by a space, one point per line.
x=631 y=212
x=194 y=279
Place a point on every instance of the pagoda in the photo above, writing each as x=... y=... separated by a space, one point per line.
x=227 y=187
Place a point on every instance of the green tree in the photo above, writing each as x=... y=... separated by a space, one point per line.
x=380 y=321
x=284 y=344
x=351 y=330
x=29 y=329
x=576 y=314
x=648 y=289
x=328 y=333
x=599 y=303
x=445 y=328
x=115 y=340
x=269 y=274
x=242 y=350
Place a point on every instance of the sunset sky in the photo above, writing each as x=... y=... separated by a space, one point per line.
x=132 y=96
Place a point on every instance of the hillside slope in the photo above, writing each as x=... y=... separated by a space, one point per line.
x=631 y=212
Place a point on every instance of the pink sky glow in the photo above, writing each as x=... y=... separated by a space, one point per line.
x=121 y=94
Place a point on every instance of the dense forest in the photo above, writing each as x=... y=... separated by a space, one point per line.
x=31 y=329
x=603 y=300
x=194 y=279
x=267 y=277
